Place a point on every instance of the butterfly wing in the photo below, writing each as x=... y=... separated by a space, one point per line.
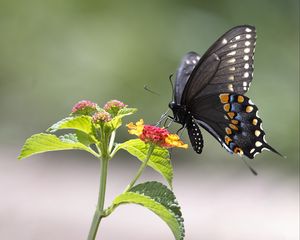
x=183 y=73
x=232 y=119
x=227 y=66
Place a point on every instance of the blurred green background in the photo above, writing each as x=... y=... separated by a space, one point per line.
x=54 y=53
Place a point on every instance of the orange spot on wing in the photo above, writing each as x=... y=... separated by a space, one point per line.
x=238 y=151
x=228 y=131
x=254 y=121
x=233 y=127
x=231 y=114
x=227 y=140
x=235 y=121
x=240 y=99
x=249 y=109
x=224 y=97
x=226 y=107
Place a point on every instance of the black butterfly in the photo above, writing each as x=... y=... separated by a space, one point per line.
x=209 y=92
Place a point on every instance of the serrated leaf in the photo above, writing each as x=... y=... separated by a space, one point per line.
x=80 y=123
x=115 y=123
x=43 y=142
x=160 y=200
x=159 y=160
x=126 y=111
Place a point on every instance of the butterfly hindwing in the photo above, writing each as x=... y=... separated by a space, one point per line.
x=231 y=70
x=233 y=120
x=187 y=65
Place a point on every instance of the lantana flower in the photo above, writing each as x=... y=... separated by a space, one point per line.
x=113 y=106
x=84 y=107
x=102 y=116
x=156 y=135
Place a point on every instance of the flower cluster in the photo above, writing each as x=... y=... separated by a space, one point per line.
x=84 y=107
x=113 y=107
x=102 y=116
x=156 y=135
x=110 y=110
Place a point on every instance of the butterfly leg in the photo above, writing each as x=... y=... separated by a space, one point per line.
x=182 y=128
x=162 y=117
x=165 y=125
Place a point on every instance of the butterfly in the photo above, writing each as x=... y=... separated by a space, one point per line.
x=209 y=93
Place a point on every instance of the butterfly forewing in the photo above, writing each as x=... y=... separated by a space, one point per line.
x=227 y=66
x=183 y=73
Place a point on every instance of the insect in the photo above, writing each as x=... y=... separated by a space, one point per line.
x=209 y=93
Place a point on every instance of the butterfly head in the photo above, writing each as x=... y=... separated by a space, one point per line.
x=179 y=112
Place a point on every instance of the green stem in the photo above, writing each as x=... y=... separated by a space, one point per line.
x=111 y=141
x=141 y=169
x=112 y=207
x=99 y=210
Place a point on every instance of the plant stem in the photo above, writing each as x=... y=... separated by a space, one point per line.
x=112 y=207
x=141 y=169
x=111 y=141
x=99 y=209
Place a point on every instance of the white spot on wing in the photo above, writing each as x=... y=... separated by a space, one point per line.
x=255 y=154
x=265 y=149
x=245 y=84
x=237 y=37
x=232 y=60
x=231 y=78
x=232 y=69
x=246 y=57
x=246 y=74
x=258 y=144
x=198 y=57
x=246 y=50
x=194 y=61
x=230 y=87
x=248 y=36
x=248 y=30
x=233 y=46
x=247 y=43
x=264 y=138
x=231 y=53
x=246 y=66
x=224 y=41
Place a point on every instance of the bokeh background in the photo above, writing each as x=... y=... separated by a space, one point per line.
x=54 y=53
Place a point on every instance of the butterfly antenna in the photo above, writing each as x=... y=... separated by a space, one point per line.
x=172 y=85
x=250 y=168
x=151 y=91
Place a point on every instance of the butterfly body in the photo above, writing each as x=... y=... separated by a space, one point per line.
x=209 y=93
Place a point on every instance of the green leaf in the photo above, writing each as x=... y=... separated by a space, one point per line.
x=159 y=160
x=160 y=200
x=116 y=122
x=43 y=142
x=126 y=111
x=81 y=123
